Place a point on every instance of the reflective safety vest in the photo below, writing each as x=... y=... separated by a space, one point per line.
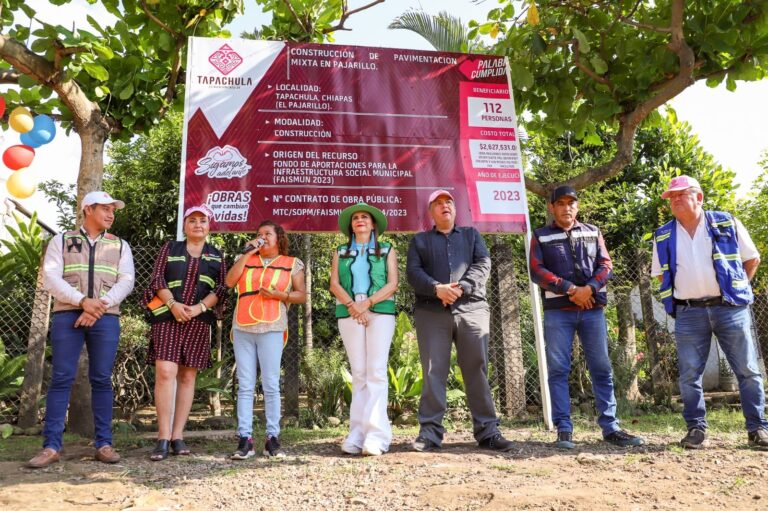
x=251 y=307
x=377 y=272
x=731 y=277
x=92 y=270
x=208 y=273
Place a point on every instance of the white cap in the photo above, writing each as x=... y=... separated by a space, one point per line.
x=99 y=197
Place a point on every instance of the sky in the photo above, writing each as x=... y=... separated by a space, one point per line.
x=730 y=125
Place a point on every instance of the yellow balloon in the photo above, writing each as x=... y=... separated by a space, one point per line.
x=21 y=184
x=21 y=119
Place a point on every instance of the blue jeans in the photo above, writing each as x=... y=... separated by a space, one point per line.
x=266 y=350
x=694 y=327
x=559 y=328
x=67 y=342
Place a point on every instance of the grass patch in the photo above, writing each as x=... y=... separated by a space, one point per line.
x=676 y=449
x=735 y=485
x=520 y=470
x=23 y=448
x=720 y=421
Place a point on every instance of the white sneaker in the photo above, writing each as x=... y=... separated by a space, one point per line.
x=372 y=451
x=350 y=448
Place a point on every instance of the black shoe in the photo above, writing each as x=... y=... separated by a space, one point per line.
x=161 y=451
x=621 y=438
x=758 y=438
x=497 y=443
x=179 y=448
x=695 y=439
x=564 y=440
x=272 y=448
x=423 y=444
x=244 y=449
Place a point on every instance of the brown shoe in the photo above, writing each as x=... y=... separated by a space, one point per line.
x=44 y=458
x=107 y=454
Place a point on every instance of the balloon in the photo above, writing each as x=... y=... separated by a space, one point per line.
x=18 y=156
x=21 y=120
x=21 y=184
x=2 y=106
x=26 y=139
x=43 y=130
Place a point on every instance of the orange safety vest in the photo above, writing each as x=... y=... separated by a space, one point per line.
x=251 y=307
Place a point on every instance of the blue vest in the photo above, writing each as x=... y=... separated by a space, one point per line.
x=731 y=277
x=570 y=255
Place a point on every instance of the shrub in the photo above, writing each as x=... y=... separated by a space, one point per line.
x=322 y=376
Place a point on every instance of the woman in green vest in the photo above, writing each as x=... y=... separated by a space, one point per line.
x=186 y=284
x=364 y=281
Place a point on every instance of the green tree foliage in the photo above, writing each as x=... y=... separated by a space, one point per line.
x=21 y=258
x=580 y=64
x=105 y=82
x=445 y=32
x=308 y=21
x=145 y=173
x=629 y=207
x=755 y=218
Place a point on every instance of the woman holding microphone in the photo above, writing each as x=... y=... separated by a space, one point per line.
x=267 y=281
x=364 y=281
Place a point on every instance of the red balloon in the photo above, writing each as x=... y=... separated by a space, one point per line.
x=2 y=106
x=18 y=156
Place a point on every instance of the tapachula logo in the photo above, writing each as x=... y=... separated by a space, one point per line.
x=225 y=59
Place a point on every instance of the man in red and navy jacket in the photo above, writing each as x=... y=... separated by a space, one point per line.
x=570 y=263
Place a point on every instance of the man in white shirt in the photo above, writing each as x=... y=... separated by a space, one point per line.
x=88 y=272
x=704 y=261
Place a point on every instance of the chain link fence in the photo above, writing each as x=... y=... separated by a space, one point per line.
x=313 y=383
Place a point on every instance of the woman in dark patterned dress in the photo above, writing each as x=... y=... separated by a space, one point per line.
x=187 y=283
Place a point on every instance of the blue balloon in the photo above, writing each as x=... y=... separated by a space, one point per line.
x=27 y=139
x=43 y=129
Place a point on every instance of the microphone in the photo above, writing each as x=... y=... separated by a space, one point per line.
x=259 y=241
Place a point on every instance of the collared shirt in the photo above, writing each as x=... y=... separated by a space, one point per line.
x=459 y=256
x=695 y=273
x=53 y=269
x=361 y=268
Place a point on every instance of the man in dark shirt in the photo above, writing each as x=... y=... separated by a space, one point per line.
x=448 y=267
x=570 y=263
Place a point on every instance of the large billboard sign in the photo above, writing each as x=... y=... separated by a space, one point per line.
x=297 y=132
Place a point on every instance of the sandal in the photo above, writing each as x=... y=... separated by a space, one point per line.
x=160 y=452
x=179 y=448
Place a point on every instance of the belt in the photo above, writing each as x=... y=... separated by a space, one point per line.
x=705 y=302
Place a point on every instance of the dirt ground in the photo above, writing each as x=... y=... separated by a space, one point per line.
x=316 y=476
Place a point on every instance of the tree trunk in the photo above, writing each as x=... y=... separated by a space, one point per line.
x=627 y=345
x=34 y=368
x=291 y=364
x=308 y=337
x=654 y=334
x=507 y=319
x=214 y=398
x=93 y=136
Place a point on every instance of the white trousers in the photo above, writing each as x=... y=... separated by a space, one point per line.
x=368 y=351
